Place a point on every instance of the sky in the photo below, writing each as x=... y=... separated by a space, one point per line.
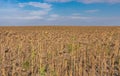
x=59 y=12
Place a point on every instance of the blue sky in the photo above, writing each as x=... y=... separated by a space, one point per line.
x=59 y=12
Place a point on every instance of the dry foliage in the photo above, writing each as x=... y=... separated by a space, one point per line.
x=60 y=51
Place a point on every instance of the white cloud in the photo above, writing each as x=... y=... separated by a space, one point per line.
x=36 y=4
x=39 y=12
x=53 y=17
x=90 y=1
x=19 y=14
x=87 y=1
x=92 y=11
x=23 y=17
x=58 y=0
x=44 y=9
x=13 y=13
x=76 y=14
x=79 y=17
x=73 y=16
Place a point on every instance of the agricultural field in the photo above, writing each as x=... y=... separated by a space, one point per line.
x=60 y=51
